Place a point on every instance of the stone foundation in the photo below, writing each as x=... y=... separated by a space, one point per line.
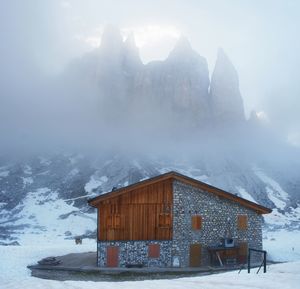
x=136 y=253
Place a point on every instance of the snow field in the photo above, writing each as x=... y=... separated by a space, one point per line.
x=15 y=259
x=15 y=275
x=282 y=245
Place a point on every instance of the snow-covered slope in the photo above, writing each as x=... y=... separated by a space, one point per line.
x=47 y=197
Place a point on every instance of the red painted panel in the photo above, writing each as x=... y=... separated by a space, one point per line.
x=112 y=256
x=153 y=250
x=196 y=222
x=195 y=255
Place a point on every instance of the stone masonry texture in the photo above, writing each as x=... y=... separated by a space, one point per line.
x=219 y=219
x=136 y=253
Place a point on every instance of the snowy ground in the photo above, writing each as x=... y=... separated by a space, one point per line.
x=283 y=245
x=15 y=275
x=14 y=260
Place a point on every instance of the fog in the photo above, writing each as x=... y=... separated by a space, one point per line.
x=45 y=43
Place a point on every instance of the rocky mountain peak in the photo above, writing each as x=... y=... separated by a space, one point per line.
x=130 y=42
x=183 y=45
x=223 y=64
x=175 y=90
x=131 y=53
x=111 y=40
x=226 y=99
x=182 y=50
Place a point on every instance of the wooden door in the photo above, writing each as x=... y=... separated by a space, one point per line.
x=112 y=255
x=195 y=255
x=243 y=252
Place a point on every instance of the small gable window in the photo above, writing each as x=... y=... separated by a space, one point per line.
x=242 y=222
x=196 y=222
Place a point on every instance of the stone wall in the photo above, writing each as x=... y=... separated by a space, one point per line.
x=136 y=252
x=219 y=218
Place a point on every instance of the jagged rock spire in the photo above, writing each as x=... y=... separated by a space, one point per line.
x=131 y=52
x=226 y=99
x=181 y=49
x=111 y=40
x=130 y=41
x=183 y=44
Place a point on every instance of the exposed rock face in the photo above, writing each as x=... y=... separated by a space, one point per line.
x=176 y=88
x=226 y=99
x=190 y=80
x=117 y=64
x=170 y=94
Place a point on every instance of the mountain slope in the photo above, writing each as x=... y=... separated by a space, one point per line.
x=53 y=204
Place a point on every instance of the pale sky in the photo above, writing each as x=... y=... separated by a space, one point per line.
x=261 y=37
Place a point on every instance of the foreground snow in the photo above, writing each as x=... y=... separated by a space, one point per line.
x=282 y=245
x=14 y=259
x=15 y=275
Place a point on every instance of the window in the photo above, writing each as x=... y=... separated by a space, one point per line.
x=164 y=220
x=196 y=222
x=113 y=222
x=242 y=222
x=153 y=250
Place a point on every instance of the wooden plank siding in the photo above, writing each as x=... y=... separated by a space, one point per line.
x=136 y=215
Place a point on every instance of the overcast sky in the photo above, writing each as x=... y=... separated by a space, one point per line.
x=260 y=37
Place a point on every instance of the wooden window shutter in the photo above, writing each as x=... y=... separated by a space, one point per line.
x=167 y=220
x=164 y=220
x=196 y=222
x=242 y=222
x=160 y=220
x=153 y=250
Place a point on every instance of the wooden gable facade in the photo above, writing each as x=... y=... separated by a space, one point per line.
x=139 y=214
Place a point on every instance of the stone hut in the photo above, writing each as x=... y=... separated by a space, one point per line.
x=175 y=221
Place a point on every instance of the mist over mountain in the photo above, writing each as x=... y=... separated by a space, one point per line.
x=165 y=94
x=112 y=121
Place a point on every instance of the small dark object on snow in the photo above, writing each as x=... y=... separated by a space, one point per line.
x=14 y=243
x=49 y=261
x=78 y=241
